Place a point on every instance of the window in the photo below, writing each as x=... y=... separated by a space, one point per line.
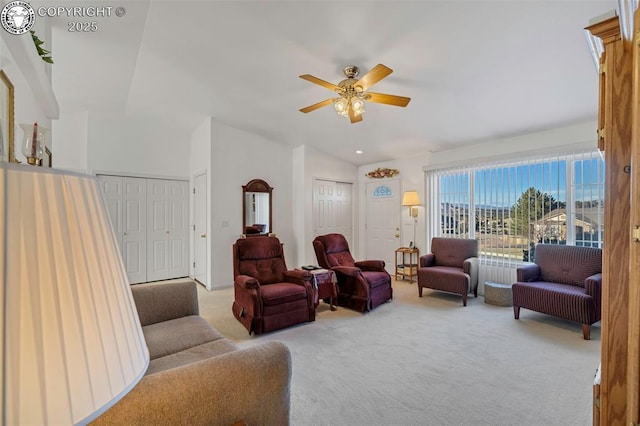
x=509 y=207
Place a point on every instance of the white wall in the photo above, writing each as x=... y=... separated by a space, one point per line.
x=238 y=157
x=70 y=138
x=123 y=144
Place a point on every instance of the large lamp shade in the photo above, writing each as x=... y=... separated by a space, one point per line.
x=72 y=344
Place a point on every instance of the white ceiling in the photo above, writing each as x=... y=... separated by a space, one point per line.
x=475 y=70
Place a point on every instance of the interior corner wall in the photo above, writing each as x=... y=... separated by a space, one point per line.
x=239 y=156
x=200 y=162
x=140 y=146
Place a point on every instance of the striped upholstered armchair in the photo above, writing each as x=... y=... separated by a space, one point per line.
x=564 y=281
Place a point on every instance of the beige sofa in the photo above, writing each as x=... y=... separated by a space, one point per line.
x=196 y=376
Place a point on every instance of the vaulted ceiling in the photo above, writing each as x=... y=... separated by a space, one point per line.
x=475 y=70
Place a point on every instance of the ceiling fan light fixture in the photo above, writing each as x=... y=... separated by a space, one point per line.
x=341 y=106
x=357 y=105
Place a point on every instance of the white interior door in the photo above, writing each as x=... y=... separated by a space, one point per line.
x=126 y=202
x=134 y=232
x=167 y=229
x=200 y=228
x=157 y=230
x=178 y=226
x=383 y=220
x=333 y=208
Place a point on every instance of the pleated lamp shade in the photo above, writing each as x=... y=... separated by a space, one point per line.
x=72 y=344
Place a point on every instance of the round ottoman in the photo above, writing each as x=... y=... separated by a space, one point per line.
x=498 y=294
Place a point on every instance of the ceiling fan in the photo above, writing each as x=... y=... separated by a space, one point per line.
x=352 y=92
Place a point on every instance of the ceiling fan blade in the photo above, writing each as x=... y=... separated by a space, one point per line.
x=382 y=98
x=353 y=117
x=374 y=75
x=320 y=82
x=317 y=105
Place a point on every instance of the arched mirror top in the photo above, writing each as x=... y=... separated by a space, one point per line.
x=257 y=208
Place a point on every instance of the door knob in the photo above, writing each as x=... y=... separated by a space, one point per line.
x=166 y=232
x=397 y=235
x=203 y=236
x=397 y=229
x=124 y=233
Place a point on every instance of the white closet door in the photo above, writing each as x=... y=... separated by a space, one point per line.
x=134 y=235
x=157 y=230
x=178 y=225
x=333 y=208
x=167 y=229
x=112 y=192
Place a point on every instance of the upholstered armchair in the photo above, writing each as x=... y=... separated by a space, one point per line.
x=564 y=281
x=269 y=297
x=452 y=266
x=362 y=285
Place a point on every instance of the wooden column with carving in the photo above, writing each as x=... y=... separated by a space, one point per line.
x=614 y=137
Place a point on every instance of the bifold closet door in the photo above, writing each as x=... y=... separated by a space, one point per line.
x=167 y=229
x=127 y=205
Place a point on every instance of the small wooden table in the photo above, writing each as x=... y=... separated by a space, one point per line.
x=407 y=268
x=324 y=284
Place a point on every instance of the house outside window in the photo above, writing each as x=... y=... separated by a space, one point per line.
x=511 y=206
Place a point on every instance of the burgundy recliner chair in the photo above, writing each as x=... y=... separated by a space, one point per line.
x=269 y=297
x=361 y=285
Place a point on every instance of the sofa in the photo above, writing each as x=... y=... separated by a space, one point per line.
x=564 y=281
x=195 y=375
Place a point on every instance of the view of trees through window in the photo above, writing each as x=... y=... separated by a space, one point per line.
x=509 y=208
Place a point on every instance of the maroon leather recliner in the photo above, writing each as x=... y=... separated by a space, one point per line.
x=362 y=285
x=269 y=297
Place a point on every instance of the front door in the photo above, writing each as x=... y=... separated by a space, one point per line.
x=383 y=221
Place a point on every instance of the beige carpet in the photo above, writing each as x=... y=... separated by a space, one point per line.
x=430 y=361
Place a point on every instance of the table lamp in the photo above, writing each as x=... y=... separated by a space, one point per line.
x=72 y=345
x=412 y=200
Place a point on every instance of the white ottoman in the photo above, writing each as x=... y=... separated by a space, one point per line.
x=498 y=294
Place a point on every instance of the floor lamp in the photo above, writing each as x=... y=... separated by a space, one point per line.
x=412 y=200
x=71 y=345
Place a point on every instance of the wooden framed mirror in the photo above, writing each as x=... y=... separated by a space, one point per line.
x=257 y=209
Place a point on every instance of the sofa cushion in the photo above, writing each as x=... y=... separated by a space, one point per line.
x=376 y=278
x=567 y=264
x=169 y=337
x=453 y=251
x=561 y=300
x=279 y=293
x=191 y=355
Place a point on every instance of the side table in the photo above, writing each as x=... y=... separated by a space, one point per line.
x=407 y=269
x=325 y=286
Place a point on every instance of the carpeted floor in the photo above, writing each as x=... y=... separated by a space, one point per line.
x=430 y=361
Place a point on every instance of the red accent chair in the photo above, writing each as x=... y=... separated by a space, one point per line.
x=452 y=266
x=362 y=285
x=269 y=297
x=564 y=281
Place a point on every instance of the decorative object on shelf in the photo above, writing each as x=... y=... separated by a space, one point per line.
x=33 y=142
x=6 y=119
x=67 y=303
x=380 y=173
x=412 y=200
x=42 y=52
x=49 y=157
